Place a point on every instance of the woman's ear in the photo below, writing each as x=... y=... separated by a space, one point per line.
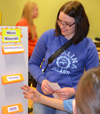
x=74 y=106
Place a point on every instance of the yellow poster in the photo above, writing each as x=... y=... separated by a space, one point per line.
x=11 y=35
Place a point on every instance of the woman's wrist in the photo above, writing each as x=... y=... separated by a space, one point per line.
x=73 y=91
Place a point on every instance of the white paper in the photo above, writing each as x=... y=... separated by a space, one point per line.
x=11 y=38
x=13 y=48
x=11 y=78
x=54 y=86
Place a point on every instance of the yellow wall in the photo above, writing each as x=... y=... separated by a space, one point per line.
x=11 y=12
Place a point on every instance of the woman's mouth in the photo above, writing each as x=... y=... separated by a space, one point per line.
x=64 y=30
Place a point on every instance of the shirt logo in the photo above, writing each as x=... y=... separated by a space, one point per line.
x=65 y=62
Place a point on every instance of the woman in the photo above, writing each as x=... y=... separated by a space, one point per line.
x=67 y=68
x=30 y=12
x=87 y=95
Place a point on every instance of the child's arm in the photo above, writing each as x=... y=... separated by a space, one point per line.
x=65 y=105
x=37 y=97
x=55 y=103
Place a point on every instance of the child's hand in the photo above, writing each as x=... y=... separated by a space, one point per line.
x=30 y=93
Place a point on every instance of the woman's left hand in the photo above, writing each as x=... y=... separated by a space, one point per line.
x=65 y=93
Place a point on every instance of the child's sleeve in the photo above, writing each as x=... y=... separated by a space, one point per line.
x=68 y=105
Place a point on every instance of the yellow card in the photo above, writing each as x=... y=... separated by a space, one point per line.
x=12 y=49
x=11 y=35
x=8 y=79
x=12 y=109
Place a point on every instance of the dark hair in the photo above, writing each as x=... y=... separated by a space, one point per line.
x=76 y=10
x=88 y=93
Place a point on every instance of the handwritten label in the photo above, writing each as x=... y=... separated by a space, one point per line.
x=11 y=35
x=11 y=38
x=11 y=32
x=10 y=49
x=8 y=79
x=13 y=48
x=11 y=78
x=13 y=108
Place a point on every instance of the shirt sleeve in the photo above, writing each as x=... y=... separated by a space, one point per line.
x=37 y=58
x=68 y=105
x=92 y=59
x=75 y=87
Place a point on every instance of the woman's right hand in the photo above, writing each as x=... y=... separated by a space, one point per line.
x=46 y=89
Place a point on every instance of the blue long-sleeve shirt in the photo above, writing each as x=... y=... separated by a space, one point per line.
x=68 y=67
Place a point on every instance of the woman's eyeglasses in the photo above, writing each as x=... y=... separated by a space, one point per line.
x=64 y=23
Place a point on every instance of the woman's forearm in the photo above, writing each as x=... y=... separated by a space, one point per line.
x=55 y=103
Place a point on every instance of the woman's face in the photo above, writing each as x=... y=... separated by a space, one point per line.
x=35 y=12
x=67 y=25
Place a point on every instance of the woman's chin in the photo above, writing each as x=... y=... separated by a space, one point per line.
x=63 y=33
